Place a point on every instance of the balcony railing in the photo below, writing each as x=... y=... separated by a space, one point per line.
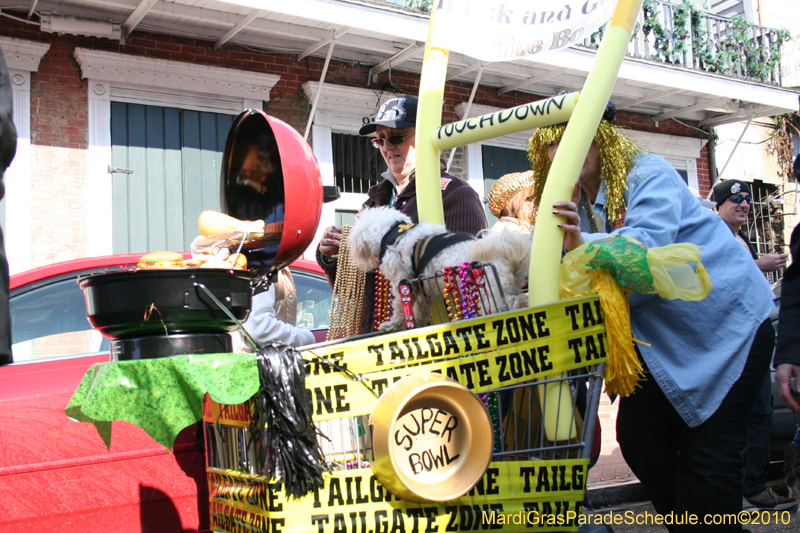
x=680 y=35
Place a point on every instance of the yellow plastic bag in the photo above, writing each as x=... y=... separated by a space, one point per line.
x=617 y=265
x=665 y=271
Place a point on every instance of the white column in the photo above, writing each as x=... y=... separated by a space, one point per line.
x=18 y=198
x=98 y=189
x=475 y=168
x=323 y=151
x=691 y=173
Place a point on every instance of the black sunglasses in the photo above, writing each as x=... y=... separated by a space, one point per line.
x=394 y=140
x=740 y=199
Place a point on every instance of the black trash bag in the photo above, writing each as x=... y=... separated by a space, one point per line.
x=286 y=438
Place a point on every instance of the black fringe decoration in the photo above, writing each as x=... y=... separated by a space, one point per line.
x=286 y=438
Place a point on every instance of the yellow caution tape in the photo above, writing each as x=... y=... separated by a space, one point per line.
x=512 y=496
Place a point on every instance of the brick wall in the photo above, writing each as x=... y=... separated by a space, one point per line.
x=703 y=172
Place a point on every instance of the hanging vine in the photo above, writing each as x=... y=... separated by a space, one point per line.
x=702 y=48
x=736 y=49
x=780 y=143
x=420 y=5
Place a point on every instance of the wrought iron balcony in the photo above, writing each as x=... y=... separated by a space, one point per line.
x=680 y=35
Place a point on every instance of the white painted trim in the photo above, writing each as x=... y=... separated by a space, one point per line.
x=382 y=17
x=134 y=79
x=691 y=171
x=125 y=69
x=342 y=108
x=323 y=151
x=22 y=57
x=169 y=98
x=391 y=24
x=18 y=199
x=475 y=168
x=664 y=76
x=97 y=199
x=668 y=146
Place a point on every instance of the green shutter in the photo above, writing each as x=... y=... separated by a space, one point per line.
x=175 y=156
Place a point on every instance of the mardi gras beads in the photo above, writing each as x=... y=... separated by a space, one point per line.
x=450 y=292
x=348 y=293
x=383 y=299
x=470 y=299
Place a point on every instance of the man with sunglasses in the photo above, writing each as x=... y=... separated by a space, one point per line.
x=734 y=199
x=394 y=128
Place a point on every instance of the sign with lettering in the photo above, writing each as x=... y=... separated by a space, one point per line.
x=482 y=354
x=228 y=415
x=510 y=496
x=528 y=116
x=494 y=30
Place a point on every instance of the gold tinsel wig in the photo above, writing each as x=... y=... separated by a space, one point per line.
x=617 y=154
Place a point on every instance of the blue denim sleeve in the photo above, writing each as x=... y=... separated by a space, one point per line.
x=654 y=198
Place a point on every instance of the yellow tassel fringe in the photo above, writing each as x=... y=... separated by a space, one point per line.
x=623 y=368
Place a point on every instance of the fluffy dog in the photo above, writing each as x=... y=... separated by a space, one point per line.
x=509 y=251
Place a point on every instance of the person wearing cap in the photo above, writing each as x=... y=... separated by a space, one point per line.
x=394 y=128
x=681 y=430
x=510 y=201
x=732 y=200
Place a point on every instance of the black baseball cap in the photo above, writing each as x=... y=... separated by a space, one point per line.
x=727 y=188
x=398 y=112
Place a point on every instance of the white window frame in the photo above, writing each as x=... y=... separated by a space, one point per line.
x=22 y=57
x=340 y=109
x=135 y=79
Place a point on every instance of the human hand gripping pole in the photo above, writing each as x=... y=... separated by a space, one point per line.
x=548 y=238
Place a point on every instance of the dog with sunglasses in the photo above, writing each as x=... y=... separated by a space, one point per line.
x=386 y=239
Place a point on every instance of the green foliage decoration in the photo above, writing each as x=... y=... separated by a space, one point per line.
x=780 y=142
x=420 y=5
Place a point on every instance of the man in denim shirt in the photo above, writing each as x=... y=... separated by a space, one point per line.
x=683 y=432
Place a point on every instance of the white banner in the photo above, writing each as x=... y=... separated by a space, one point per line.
x=504 y=30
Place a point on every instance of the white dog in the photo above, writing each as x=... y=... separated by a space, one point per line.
x=385 y=238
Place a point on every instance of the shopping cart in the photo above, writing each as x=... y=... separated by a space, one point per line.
x=532 y=482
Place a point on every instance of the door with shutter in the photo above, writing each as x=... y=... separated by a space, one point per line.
x=497 y=162
x=166 y=171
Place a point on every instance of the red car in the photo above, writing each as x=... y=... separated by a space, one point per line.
x=56 y=475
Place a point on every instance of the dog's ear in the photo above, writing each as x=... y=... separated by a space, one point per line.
x=360 y=247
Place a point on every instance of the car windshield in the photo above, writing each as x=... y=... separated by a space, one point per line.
x=50 y=321
x=313 y=300
x=48 y=318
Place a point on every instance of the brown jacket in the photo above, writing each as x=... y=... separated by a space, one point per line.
x=463 y=213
